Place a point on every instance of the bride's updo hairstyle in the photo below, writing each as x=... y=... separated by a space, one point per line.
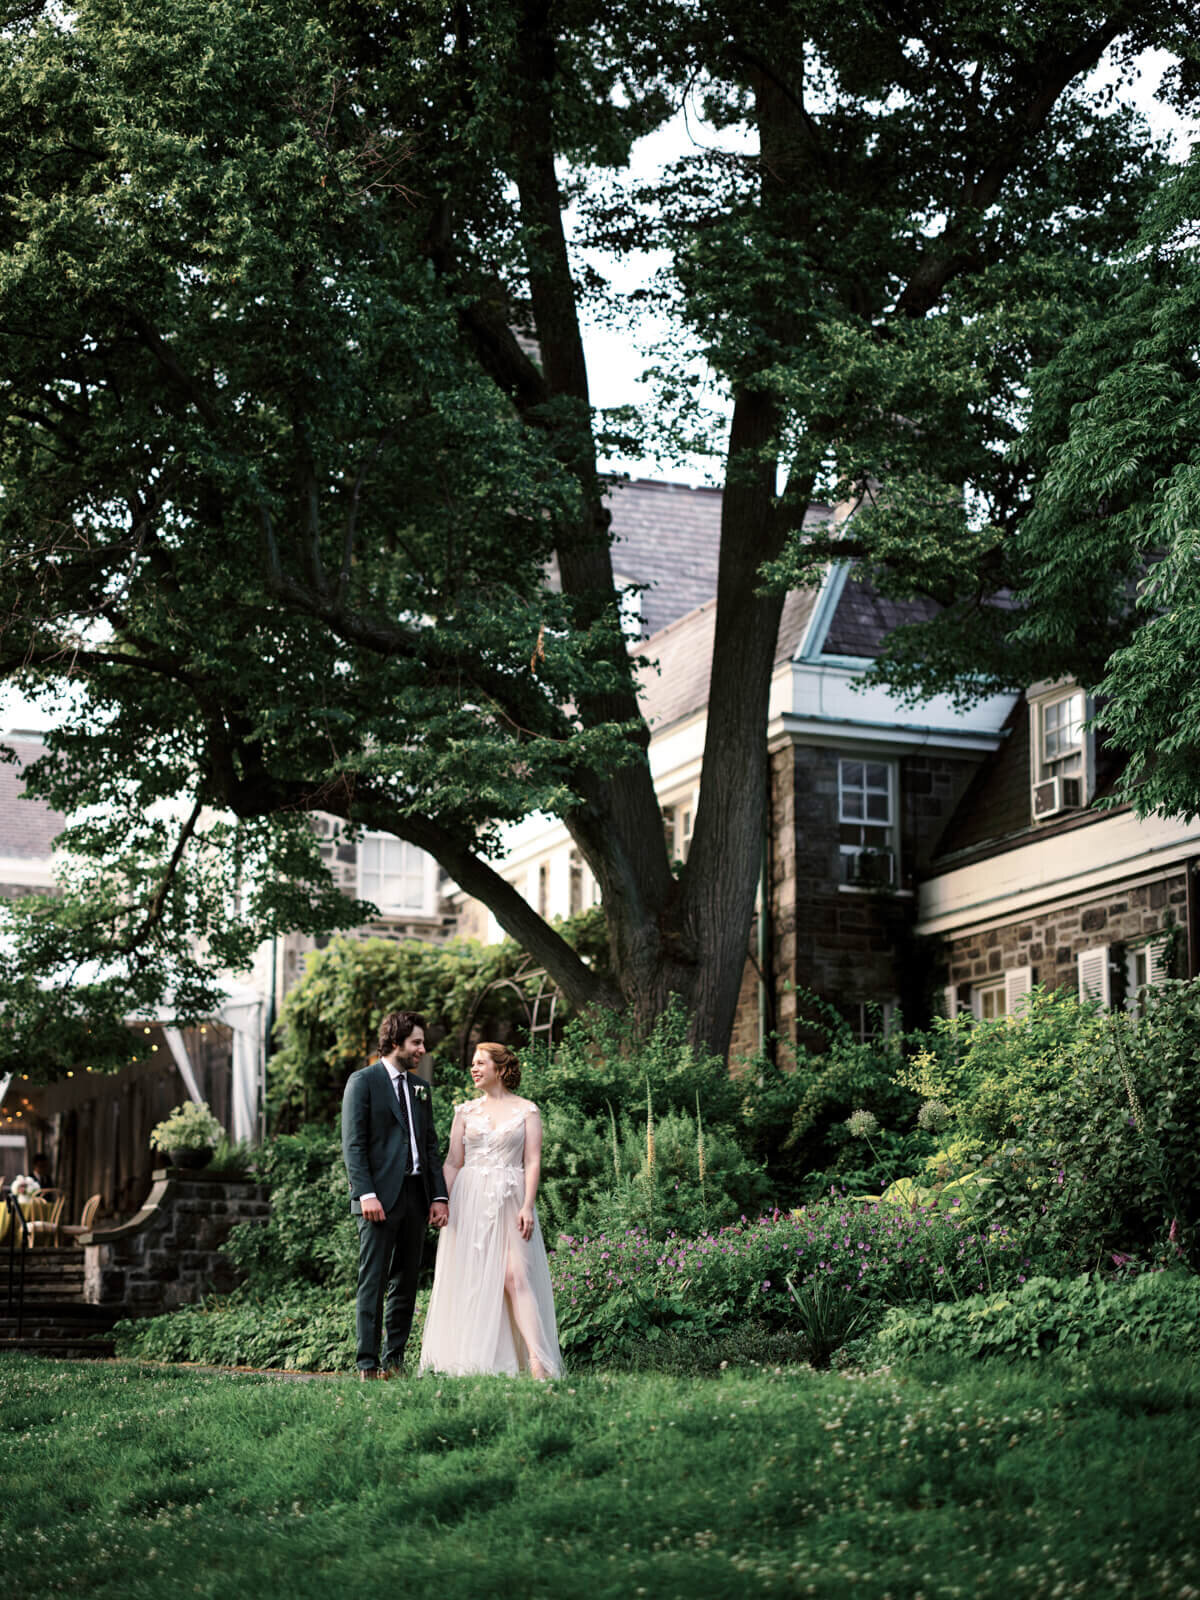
x=505 y=1063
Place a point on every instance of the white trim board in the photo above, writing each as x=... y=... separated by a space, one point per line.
x=820 y=618
x=1065 y=866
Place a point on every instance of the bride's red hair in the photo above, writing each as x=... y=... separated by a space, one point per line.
x=506 y=1064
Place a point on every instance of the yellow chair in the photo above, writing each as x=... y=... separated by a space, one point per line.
x=47 y=1225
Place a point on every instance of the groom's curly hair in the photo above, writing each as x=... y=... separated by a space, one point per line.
x=396 y=1027
x=506 y=1065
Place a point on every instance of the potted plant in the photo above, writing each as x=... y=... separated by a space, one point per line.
x=188 y=1136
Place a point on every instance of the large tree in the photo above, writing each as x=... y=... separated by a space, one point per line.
x=1101 y=580
x=295 y=415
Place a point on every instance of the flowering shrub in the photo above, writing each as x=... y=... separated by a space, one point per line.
x=612 y=1287
x=188 y=1127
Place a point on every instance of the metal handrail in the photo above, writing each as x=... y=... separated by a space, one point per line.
x=16 y=1216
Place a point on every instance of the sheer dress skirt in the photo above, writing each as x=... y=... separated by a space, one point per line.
x=471 y=1326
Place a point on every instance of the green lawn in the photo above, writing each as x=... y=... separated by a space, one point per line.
x=126 y=1482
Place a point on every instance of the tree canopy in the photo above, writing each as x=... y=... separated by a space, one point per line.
x=294 y=416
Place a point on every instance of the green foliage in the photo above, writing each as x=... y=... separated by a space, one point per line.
x=1110 y=1163
x=1158 y=1310
x=994 y=1075
x=827 y=1317
x=329 y=1022
x=840 y=1258
x=304 y=1328
x=670 y=1196
x=310 y=1237
x=794 y=1109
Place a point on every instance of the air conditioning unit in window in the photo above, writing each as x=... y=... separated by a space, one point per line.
x=1056 y=794
x=871 y=869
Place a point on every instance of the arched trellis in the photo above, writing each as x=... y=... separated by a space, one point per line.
x=538 y=995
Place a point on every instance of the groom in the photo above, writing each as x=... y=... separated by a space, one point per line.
x=396 y=1187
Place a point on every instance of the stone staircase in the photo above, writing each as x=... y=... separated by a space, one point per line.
x=56 y=1320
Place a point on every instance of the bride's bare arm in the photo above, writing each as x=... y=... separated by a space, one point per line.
x=452 y=1165
x=533 y=1170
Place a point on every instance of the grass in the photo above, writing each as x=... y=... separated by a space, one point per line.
x=128 y=1482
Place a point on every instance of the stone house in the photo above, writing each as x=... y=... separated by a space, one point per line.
x=1040 y=878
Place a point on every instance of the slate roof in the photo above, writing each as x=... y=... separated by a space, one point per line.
x=864 y=618
x=28 y=826
x=667 y=535
x=683 y=650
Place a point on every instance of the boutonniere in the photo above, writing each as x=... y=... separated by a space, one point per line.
x=421 y=1091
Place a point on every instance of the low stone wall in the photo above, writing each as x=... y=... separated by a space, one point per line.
x=167 y=1255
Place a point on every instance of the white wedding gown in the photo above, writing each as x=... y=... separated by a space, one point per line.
x=471 y=1326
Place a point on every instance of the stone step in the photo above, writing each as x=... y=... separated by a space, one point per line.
x=75 y=1312
x=61 y=1349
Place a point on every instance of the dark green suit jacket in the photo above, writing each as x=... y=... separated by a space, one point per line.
x=375 y=1143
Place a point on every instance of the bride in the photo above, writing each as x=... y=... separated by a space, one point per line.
x=492 y=1307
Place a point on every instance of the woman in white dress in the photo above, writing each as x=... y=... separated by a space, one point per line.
x=492 y=1306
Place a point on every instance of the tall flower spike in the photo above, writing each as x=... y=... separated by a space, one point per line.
x=649 y=1132
x=616 y=1148
x=700 y=1162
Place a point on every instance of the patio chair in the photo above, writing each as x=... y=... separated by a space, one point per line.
x=84 y=1225
x=47 y=1227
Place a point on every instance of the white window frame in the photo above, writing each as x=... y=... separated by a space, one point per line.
x=1154 y=951
x=849 y=853
x=679 y=821
x=425 y=864
x=1044 y=768
x=1012 y=986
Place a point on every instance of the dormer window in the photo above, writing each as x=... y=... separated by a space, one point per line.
x=1061 y=751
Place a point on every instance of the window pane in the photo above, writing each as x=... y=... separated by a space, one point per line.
x=877 y=807
x=852 y=774
x=852 y=804
x=877 y=775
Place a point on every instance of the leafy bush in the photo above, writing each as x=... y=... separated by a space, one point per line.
x=794 y=1110
x=1159 y=1309
x=1109 y=1165
x=603 y=1061
x=310 y=1237
x=329 y=1022
x=993 y=1076
x=612 y=1288
x=307 y=1329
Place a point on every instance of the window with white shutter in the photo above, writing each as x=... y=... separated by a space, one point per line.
x=1156 y=960
x=1092 y=967
x=1018 y=981
x=950 y=1000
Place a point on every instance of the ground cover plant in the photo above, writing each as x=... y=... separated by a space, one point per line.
x=128 y=1483
x=771 y=1270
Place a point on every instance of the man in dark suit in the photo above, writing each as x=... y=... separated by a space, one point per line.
x=396 y=1188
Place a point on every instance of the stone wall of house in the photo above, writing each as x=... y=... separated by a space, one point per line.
x=168 y=1254
x=849 y=946
x=1050 y=941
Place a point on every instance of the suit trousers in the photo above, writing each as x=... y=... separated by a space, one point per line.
x=389 y=1261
